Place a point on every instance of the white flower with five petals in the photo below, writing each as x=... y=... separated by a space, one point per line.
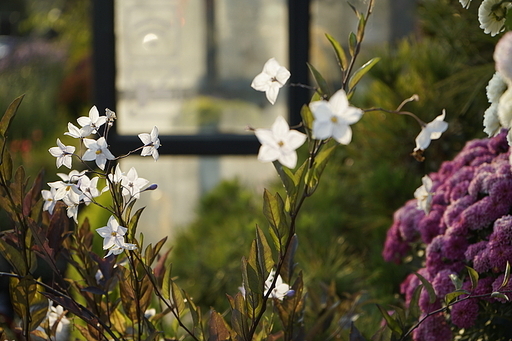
x=280 y=290
x=334 y=117
x=279 y=143
x=151 y=143
x=93 y=122
x=97 y=151
x=113 y=237
x=271 y=79
x=132 y=184
x=63 y=154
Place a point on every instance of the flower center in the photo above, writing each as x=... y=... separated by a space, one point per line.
x=98 y=152
x=280 y=143
x=113 y=233
x=334 y=119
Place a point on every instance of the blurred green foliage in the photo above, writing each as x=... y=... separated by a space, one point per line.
x=342 y=228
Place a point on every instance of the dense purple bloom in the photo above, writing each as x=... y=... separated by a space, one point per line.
x=468 y=225
x=464 y=313
x=434 y=328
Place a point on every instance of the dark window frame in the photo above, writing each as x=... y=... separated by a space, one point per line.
x=104 y=91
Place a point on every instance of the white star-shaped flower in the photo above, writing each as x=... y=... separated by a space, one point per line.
x=89 y=188
x=334 y=117
x=280 y=290
x=132 y=184
x=93 y=122
x=151 y=143
x=97 y=151
x=431 y=131
x=63 y=154
x=424 y=194
x=271 y=79
x=279 y=143
x=112 y=234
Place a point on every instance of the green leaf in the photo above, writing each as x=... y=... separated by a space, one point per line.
x=507 y=274
x=289 y=260
x=253 y=285
x=313 y=175
x=451 y=296
x=340 y=53
x=456 y=281
x=414 y=308
x=6 y=165
x=390 y=322
x=177 y=298
x=307 y=117
x=134 y=221
x=320 y=81
x=473 y=275
x=352 y=43
x=6 y=120
x=264 y=253
x=14 y=257
x=38 y=310
x=430 y=290
x=356 y=77
x=167 y=283
x=361 y=27
x=239 y=318
x=500 y=295
x=273 y=209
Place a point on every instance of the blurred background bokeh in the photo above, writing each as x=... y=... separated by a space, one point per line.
x=209 y=206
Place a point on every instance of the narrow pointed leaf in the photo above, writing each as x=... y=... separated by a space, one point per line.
x=352 y=43
x=499 y=295
x=507 y=276
x=428 y=287
x=14 y=257
x=356 y=77
x=390 y=322
x=6 y=120
x=473 y=275
x=320 y=81
x=456 y=281
x=451 y=296
x=340 y=53
x=264 y=253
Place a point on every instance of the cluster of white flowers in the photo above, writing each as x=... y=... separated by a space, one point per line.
x=332 y=119
x=77 y=188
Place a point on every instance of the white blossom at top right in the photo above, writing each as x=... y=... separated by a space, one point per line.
x=492 y=15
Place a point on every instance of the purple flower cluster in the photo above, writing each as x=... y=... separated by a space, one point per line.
x=469 y=224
